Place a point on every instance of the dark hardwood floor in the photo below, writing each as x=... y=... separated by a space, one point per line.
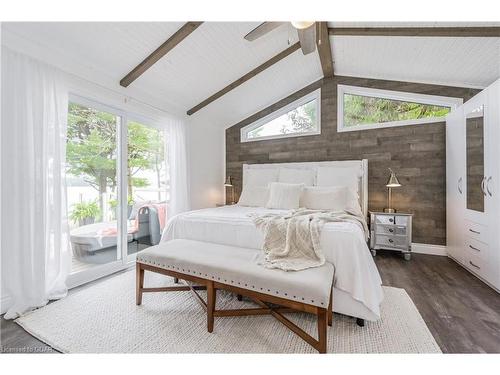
x=462 y=312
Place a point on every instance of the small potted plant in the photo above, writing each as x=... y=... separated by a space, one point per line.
x=85 y=213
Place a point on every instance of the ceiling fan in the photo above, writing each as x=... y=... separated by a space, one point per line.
x=305 y=29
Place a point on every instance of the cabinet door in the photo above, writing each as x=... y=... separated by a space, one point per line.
x=477 y=158
x=492 y=184
x=455 y=182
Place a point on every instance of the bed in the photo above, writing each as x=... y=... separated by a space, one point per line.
x=357 y=284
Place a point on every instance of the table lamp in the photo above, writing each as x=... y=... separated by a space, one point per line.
x=229 y=183
x=393 y=182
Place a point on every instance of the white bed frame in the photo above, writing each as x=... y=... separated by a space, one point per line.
x=361 y=166
x=342 y=302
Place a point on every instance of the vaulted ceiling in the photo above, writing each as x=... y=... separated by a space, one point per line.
x=216 y=54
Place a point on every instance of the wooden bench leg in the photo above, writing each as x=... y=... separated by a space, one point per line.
x=211 y=298
x=139 y=283
x=322 y=322
x=330 y=309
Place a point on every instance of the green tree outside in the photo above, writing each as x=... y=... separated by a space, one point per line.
x=91 y=150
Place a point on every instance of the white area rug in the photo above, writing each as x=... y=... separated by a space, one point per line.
x=103 y=318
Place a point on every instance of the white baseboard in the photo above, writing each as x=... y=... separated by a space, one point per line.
x=5 y=304
x=423 y=248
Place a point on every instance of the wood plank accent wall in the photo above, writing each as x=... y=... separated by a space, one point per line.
x=416 y=153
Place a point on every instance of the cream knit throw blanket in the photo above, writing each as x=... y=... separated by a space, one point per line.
x=292 y=241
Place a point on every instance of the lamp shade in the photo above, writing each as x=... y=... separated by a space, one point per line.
x=229 y=181
x=302 y=24
x=393 y=180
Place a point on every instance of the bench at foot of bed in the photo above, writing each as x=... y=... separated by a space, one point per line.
x=215 y=267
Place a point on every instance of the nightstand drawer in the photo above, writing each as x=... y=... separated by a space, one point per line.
x=401 y=220
x=384 y=219
x=391 y=241
x=390 y=229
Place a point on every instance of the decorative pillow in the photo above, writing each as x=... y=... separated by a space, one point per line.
x=297 y=176
x=353 y=202
x=260 y=177
x=337 y=198
x=325 y=198
x=284 y=196
x=254 y=196
x=338 y=176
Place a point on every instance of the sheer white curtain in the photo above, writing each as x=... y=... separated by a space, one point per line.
x=177 y=158
x=36 y=257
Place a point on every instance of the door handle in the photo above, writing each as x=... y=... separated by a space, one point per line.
x=488 y=186
x=459 y=185
x=482 y=185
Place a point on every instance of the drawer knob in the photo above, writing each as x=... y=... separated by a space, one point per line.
x=474 y=248
x=391 y=240
x=474 y=231
x=391 y=219
x=391 y=230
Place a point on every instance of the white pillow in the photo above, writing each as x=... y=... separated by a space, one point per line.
x=353 y=202
x=260 y=177
x=284 y=196
x=337 y=198
x=254 y=196
x=325 y=198
x=338 y=176
x=297 y=176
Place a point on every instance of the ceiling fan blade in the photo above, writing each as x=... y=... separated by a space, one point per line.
x=261 y=30
x=307 y=38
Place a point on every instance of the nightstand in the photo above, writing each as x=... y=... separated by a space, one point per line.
x=224 y=204
x=391 y=231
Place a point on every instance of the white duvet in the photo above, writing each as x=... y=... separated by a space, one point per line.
x=342 y=243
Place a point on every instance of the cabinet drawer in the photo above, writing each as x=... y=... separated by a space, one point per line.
x=384 y=219
x=399 y=242
x=476 y=248
x=391 y=230
x=476 y=264
x=476 y=231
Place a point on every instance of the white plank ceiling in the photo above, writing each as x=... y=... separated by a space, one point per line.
x=470 y=62
x=216 y=54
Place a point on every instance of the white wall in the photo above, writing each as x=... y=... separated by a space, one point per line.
x=206 y=159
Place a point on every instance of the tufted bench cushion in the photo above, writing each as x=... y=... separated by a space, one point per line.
x=238 y=267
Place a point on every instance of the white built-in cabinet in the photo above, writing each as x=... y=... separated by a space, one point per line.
x=473 y=185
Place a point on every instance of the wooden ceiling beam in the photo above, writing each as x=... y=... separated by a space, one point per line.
x=491 y=31
x=246 y=77
x=324 y=50
x=161 y=51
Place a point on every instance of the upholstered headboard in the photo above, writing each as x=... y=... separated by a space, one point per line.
x=359 y=166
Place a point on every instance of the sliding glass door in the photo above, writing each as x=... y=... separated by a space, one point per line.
x=117 y=188
x=147 y=186
x=92 y=182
